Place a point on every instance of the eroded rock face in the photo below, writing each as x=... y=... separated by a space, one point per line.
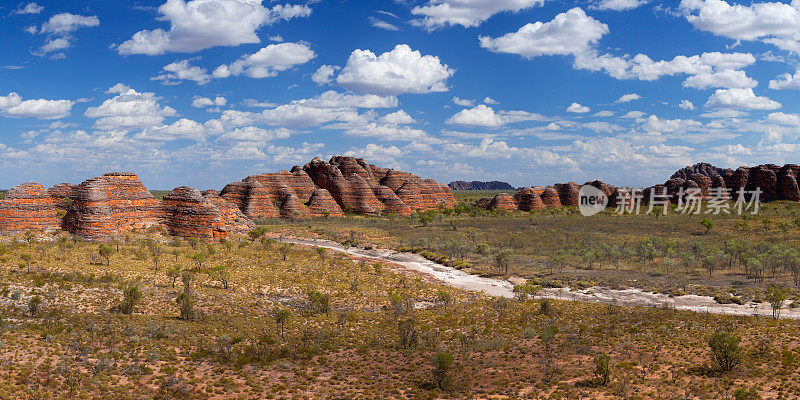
x=110 y=205
x=28 y=207
x=232 y=217
x=322 y=204
x=550 y=197
x=788 y=189
x=252 y=198
x=766 y=179
x=528 y=199
x=703 y=182
x=187 y=213
x=503 y=201
x=290 y=205
x=64 y=194
x=479 y=185
x=568 y=193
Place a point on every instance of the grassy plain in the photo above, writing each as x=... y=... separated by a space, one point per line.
x=255 y=319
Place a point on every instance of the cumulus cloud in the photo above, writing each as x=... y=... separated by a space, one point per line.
x=723 y=79
x=30 y=8
x=128 y=110
x=463 y=102
x=619 y=5
x=182 y=129
x=399 y=117
x=485 y=116
x=387 y=132
x=324 y=74
x=333 y=99
x=489 y=100
x=576 y=34
x=181 y=70
x=467 y=13
x=784 y=119
x=202 y=24
x=571 y=32
x=65 y=23
x=13 y=106
x=268 y=61
x=578 y=109
x=202 y=102
x=401 y=70
x=255 y=134
x=686 y=105
x=628 y=98
x=770 y=22
x=786 y=81
x=740 y=99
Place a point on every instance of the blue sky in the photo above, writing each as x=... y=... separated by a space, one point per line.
x=532 y=92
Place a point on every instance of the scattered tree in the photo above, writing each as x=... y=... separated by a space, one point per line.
x=602 y=371
x=106 y=252
x=708 y=224
x=442 y=364
x=776 y=295
x=725 y=349
x=130 y=296
x=281 y=316
x=221 y=274
x=34 y=304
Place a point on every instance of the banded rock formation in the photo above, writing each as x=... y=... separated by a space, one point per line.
x=28 y=207
x=478 y=185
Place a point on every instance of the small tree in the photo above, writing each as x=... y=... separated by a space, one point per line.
x=34 y=304
x=281 y=316
x=199 y=258
x=445 y=297
x=220 y=274
x=526 y=291
x=257 y=233
x=130 y=296
x=106 y=252
x=192 y=242
x=284 y=249
x=725 y=349
x=502 y=260
x=602 y=371
x=776 y=295
x=185 y=299
x=174 y=273
x=407 y=333
x=442 y=364
x=708 y=224
x=320 y=303
x=321 y=252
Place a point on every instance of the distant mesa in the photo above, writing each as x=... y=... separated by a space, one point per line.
x=115 y=204
x=478 y=185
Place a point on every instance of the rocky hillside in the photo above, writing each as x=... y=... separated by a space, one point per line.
x=113 y=204
x=478 y=185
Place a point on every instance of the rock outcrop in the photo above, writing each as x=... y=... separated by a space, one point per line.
x=252 y=198
x=528 y=199
x=111 y=205
x=322 y=204
x=550 y=197
x=478 y=185
x=568 y=193
x=28 y=207
x=64 y=194
x=187 y=213
x=503 y=201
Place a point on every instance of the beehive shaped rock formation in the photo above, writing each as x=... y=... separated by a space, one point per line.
x=322 y=204
x=109 y=205
x=390 y=202
x=28 y=207
x=232 y=217
x=528 y=199
x=187 y=213
x=64 y=194
x=568 y=193
x=252 y=198
x=550 y=197
x=703 y=182
x=503 y=201
x=290 y=205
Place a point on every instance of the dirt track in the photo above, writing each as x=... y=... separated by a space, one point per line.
x=503 y=288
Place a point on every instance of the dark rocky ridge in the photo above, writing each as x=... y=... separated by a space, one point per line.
x=479 y=185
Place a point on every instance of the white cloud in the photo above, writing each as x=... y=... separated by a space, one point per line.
x=13 y=106
x=485 y=116
x=724 y=79
x=379 y=23
x=182 y=129
x=653 y=123
x=202 y=24
x=724 y=114
x=336 y=100
x=65 y=23
x=686 y=105
x=578 y=109
x=619 y=5
x=268 y=61
x=128 y=110
x=571 y=32
x=399 y=117
x=604 y=114
x=201 y=102
x=375 y=152
x=633 y=115
x=387 y=132
x=628 y=97
x=181 y=70
x=771 y=22
x=741 y=99
x=401 y=70
x=55 y=44
x=489 y=100
x=463 y=102
x=784 y=119
x=255 y=134
x=786 y=81
x=30 y=8
x=324 y=74
x=467 y=13
x=481 y=115
x=644 y=68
